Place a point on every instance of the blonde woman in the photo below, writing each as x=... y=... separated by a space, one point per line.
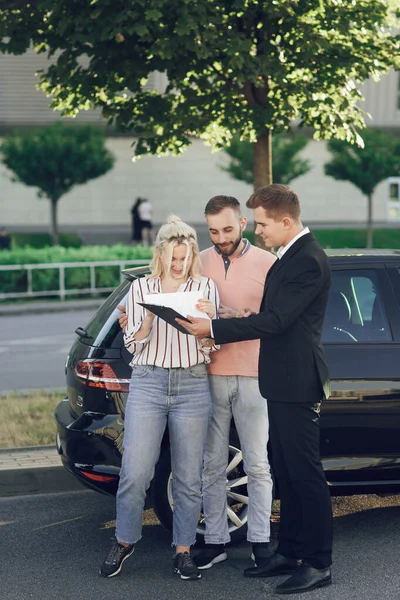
x=169 y=385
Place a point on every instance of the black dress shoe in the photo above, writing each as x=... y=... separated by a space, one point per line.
x=304 y=579
x=276 y=565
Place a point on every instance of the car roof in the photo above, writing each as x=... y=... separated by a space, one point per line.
x=363 y=255
x=337 y=255
x=135 y=272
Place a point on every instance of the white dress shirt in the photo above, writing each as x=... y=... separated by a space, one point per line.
x=284 y=249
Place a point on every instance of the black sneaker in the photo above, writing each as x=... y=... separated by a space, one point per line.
x=115 y=559
x=261 y=553
x=211 y=555
x=185 y=567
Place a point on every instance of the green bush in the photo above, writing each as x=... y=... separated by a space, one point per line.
x=357 y=238
x=59 y=254
x=40 y=240
x=47 y=279
x=351 y=238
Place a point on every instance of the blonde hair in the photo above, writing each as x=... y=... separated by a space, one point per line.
x=174 y=233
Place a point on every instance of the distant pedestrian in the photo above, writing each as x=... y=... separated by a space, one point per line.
x=136 y=222
x=5 y=240
x=145 y=212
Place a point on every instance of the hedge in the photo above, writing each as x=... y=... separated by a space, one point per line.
x=39 y=240
x=352 y=238
x=47 y=279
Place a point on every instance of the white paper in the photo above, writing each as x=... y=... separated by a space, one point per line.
x=183 y=302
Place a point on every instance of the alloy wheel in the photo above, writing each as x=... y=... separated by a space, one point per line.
x=236 y=493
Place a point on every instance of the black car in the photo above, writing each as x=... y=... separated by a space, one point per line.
x=360 y=423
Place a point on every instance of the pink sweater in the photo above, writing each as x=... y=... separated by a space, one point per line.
x=241 y=287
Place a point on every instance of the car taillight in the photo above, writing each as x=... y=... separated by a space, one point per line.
x=97 y=374
x=96 y=477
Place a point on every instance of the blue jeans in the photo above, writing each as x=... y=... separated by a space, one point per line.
x=237 y=396
x=157 y=396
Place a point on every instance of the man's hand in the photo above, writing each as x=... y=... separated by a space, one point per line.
x=199 y=327
x=122 y=319
x=245 y=312
x=224 y=312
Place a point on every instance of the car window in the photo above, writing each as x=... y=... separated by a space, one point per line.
x=103 y=328
x=355 y=311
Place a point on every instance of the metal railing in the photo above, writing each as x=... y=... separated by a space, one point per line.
x=62 y=290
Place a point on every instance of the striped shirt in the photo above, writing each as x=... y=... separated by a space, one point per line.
x=165 y=346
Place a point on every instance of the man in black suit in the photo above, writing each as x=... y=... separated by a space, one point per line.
x=293 y=376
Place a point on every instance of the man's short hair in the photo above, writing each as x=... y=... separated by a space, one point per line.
x=277 y=200
x=218 y=203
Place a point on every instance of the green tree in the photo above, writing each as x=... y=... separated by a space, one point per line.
x=286 y=164
x=365 y=167
x=56 y=158
x=245 y=67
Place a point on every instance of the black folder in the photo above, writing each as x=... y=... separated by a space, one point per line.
x=167 y=314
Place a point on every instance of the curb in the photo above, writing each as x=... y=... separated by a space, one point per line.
x=48 y=307
x=33 y=479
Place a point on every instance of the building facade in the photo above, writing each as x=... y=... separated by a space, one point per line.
x=176 y=184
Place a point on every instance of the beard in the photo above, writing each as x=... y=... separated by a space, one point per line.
x=231 y=248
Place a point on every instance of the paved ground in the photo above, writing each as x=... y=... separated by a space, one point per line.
x=35 y=306
x=34 y=347
x=52 y=545
x=36 y=470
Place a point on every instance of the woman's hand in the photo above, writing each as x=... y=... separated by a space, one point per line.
x=207 y=307
x=149 y=315
x=122 y=318
x=207 y=342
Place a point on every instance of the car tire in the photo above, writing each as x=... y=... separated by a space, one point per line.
x=161 y=494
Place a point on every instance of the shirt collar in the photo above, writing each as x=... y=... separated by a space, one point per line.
x=283 y=249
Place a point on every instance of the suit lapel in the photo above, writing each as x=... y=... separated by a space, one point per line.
x=280 y=262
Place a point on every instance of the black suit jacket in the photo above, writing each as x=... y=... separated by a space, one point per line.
x=292 y=365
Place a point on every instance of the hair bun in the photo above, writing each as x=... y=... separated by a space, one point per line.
x=174 y=219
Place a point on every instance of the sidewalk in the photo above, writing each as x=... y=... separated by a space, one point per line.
x=34 y=307
x=34 y=470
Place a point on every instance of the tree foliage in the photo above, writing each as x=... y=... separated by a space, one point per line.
x=56 y=158
x=245 y=67
x=286 y=164
x=365 y=167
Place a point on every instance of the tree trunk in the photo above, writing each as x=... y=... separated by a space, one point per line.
x=262 y=160
x=262 y=169
x=54 y=225
x=369 y=222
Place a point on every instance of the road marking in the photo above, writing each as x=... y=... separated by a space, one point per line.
x=58 y=523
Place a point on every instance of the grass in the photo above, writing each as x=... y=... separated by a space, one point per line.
x=27 y=419
x=352 y=238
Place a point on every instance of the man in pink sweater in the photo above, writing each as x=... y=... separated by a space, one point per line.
x=239 y=270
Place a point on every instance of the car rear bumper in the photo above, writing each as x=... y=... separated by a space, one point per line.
x=90 y=447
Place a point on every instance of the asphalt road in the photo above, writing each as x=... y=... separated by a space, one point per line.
x=51 y=547
x=34 y=347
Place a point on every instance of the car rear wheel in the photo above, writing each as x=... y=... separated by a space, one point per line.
x=236 y=492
